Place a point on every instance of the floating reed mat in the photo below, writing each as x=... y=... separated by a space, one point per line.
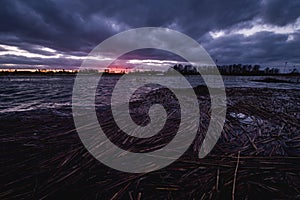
x=256 y=157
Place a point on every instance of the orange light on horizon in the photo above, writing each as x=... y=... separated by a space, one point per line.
x=118 y=69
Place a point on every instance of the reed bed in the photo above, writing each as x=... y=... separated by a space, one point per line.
x=256 y=157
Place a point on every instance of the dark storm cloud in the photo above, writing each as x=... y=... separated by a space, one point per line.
x=262 y=48
x=153 y=54
x=280 y=12
x=74 y=27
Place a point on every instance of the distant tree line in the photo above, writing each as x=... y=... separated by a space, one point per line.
x=36 y=72
x=234 y=69
x=240 y=69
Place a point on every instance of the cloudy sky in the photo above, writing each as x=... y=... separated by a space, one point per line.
x=60 y=34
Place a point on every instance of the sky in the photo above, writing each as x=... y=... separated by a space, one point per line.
x=60 y=34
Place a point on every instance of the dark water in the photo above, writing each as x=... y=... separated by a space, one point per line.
x=25 y=93
x=19 y=94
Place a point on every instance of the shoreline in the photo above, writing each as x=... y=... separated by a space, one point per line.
x=20 y=73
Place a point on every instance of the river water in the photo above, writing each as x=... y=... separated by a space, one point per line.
x=24 y=93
